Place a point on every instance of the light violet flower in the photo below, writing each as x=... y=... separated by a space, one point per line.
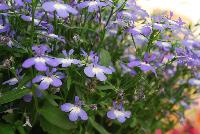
x=165 y=46
x=19 y=3
x=98 y=71
x=75 y=110
x=62 y=10
x=28 y=97
x=52 y=78
x=15 y=80
x=36 y=21
x=4 y=6
x=118 y=112
x=67 y=61
x=144 y=66
x=40 y=60
x=92 y=5
x=4 y=28
x=194 y=82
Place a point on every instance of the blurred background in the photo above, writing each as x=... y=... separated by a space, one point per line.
x=188 y=10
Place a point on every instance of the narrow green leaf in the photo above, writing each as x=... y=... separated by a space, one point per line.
x=105 y=57
x=50 y=128
x=6 y=129
x=56 y=117
x=105 y=87
x=69 y=81
x=98 y=127
x=13 y=95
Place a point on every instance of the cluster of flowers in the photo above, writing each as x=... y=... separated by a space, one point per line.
x=157 y=53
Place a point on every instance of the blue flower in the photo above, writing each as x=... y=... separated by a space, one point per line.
x=51 y=78
x=67 y=61
x=75 y=110
x=92 y=5
x=94 y=69
x=118 y=112
x=62 y=10
x=40 y=60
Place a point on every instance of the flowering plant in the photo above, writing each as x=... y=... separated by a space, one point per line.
x=125 y=68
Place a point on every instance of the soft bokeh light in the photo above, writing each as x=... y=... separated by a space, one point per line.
x=189 y=9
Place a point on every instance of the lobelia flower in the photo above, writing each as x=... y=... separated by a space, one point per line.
x=36 y=21
x=144 y=66
x=14 y=80
x=118 y=112
x=92 y=5
x=4 y=24
x=194 y=82
x=62 y=10
x=165 y=46
x=96 y=70
x=19 y=3
x=75 y=110
x=28 y=97
x=52 y=78
x=3 y=6
x=67 y=61
x=40 y=60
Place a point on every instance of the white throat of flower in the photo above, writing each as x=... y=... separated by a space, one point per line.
x=97 y=70
x=59 y=6
x=92 y=3
x=1 y=27
x=67 y=61
x=75 y=109
x=39 y=59
x=48 y=80
x=118 y=113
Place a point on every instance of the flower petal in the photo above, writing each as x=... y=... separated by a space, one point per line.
x=121 y=119
x=101 y=76
x=56 y=82
x=37 y=78
x=111 y=115
x=28 y=63
x=11 y=82
x=49 y=6
x=88 y=71
x=62 y=13
x=73 y=116
x=40 y=66
x=127 y=114
x=66 y=107
x=52 y=62
x=44 y=85
x=83 y=115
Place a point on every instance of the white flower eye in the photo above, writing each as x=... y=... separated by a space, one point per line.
x=97 y=70
x=39 y=59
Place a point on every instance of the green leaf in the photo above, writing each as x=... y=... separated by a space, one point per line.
x=6 y=129
x=98 y=127
x=69 y=81
x=13 y=95
x=50 y=128
x=105 y=87
x=56 y=117
x=105 y=57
